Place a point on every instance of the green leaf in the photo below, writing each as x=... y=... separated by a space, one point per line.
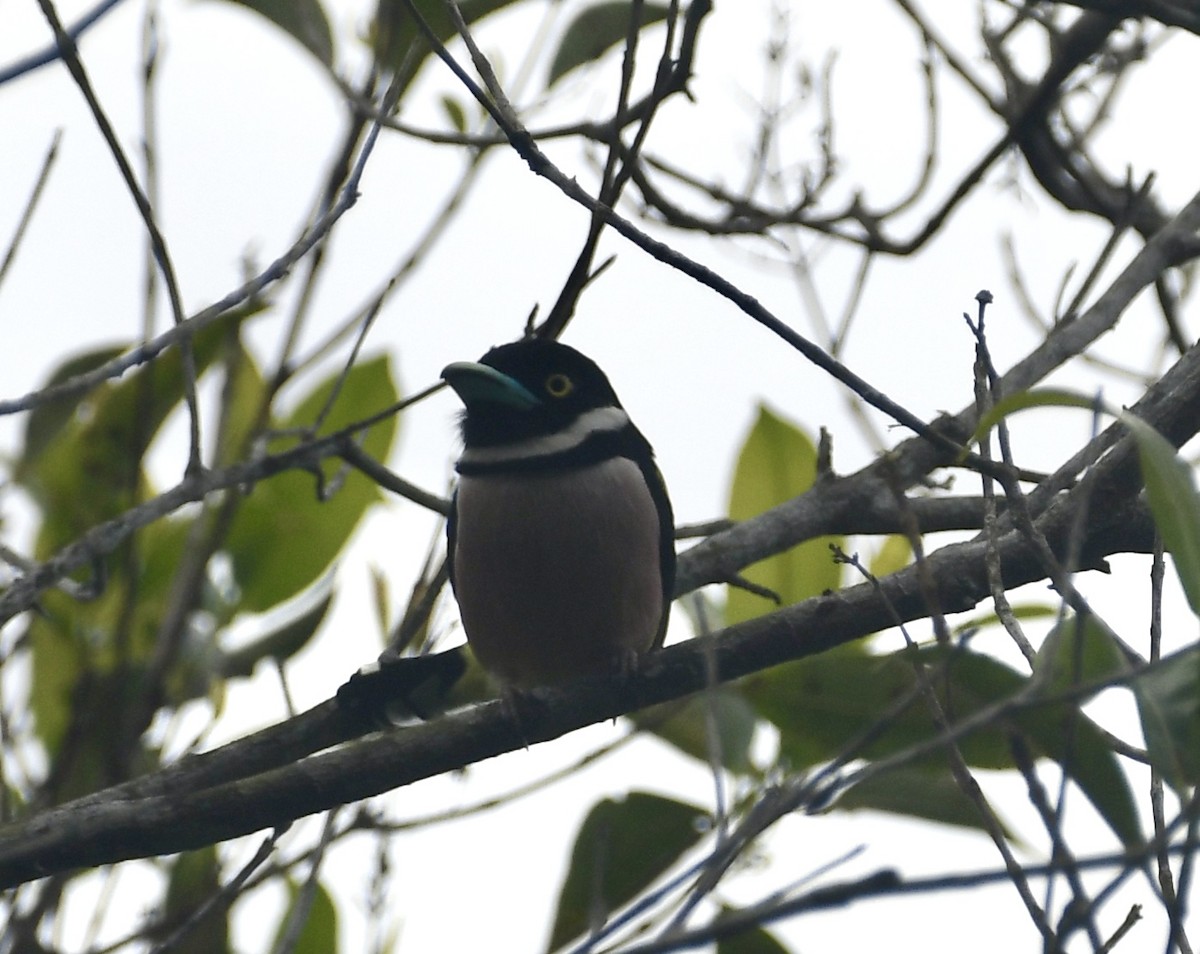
x=382 y=602
x=1079 y=650
x=596 y=30
x=194 y=880
x=894 y=554
x=1171 y=493
x=1026 y=611
x=925 y=790
x=244 y=393
x=86 y=727
x=455 y=113
x=622 y=847
x=91 y=470
x=158 y=555
x=46 y=421
x=755 y=940
x=1170 y=483
x=89 y=694
x=398 y=41
x=686 y=726
x=59 y=660
x=282 y=640
x=75 y=642
x=777 y=462
x=319 y=934
x=303 y=20
x=1168 y=700
x=1023 y=400
x=825 y=703
x=283 y=537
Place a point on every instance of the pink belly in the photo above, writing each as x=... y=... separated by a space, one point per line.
x=558 y=576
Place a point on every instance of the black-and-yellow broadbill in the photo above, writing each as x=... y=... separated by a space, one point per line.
x=561 y=538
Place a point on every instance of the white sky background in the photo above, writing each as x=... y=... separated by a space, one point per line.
x=247 y=125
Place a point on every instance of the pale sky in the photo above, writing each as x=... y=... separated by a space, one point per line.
x=246 y=126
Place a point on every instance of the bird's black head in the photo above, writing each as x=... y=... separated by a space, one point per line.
x=520 y=393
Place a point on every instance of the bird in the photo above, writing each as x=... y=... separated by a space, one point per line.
x=560 y=538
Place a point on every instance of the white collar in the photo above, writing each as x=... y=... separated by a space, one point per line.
x=600 y=420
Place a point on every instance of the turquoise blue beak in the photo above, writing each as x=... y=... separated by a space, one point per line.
x=478 y=383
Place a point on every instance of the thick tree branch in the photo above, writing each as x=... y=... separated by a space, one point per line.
x=831 y=503
x=1179 y=13
x=104 y=828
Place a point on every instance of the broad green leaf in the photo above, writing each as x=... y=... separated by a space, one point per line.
x=303 y=20
x=46 y=421
x=59 y=659
x=87 y=727
x=398 y=41
x=622 y=847
x=283 y=537
x=155 y=563
x=776 y=463
x=92 y=469
x=596 y=30
x=1171 y=493
x=89 y=696
x=925 y=790
x=1168 y=700
x=755 y=940
x=895 y=553
x=686 y=726
x=281 y=641
x=319 y=934
x=244 y=393
x=75 y=642
x=1023 y=400
x=1170 y=483
x=827 y=703
x=194 y=880
x=1079 y=650
x=1027 y=611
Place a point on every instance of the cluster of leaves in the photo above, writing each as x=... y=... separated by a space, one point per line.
x=396 y=35
x=860 y=702
x=149 y=634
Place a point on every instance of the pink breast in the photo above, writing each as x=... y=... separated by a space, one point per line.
x=558 y=575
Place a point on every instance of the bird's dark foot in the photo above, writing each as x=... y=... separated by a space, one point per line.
x=525 y=708
x=628 y=672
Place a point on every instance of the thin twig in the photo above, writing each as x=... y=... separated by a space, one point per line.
x=301 y=906
x=70 y=56
x=502 y=112
x=52 y=54
x=220 y=900
x=312 y=235
x=35 y=195
x=959 y=769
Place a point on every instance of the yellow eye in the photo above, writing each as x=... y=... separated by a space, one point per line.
x=559 y=385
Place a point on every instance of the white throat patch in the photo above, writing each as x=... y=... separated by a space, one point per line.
x=598 y=420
